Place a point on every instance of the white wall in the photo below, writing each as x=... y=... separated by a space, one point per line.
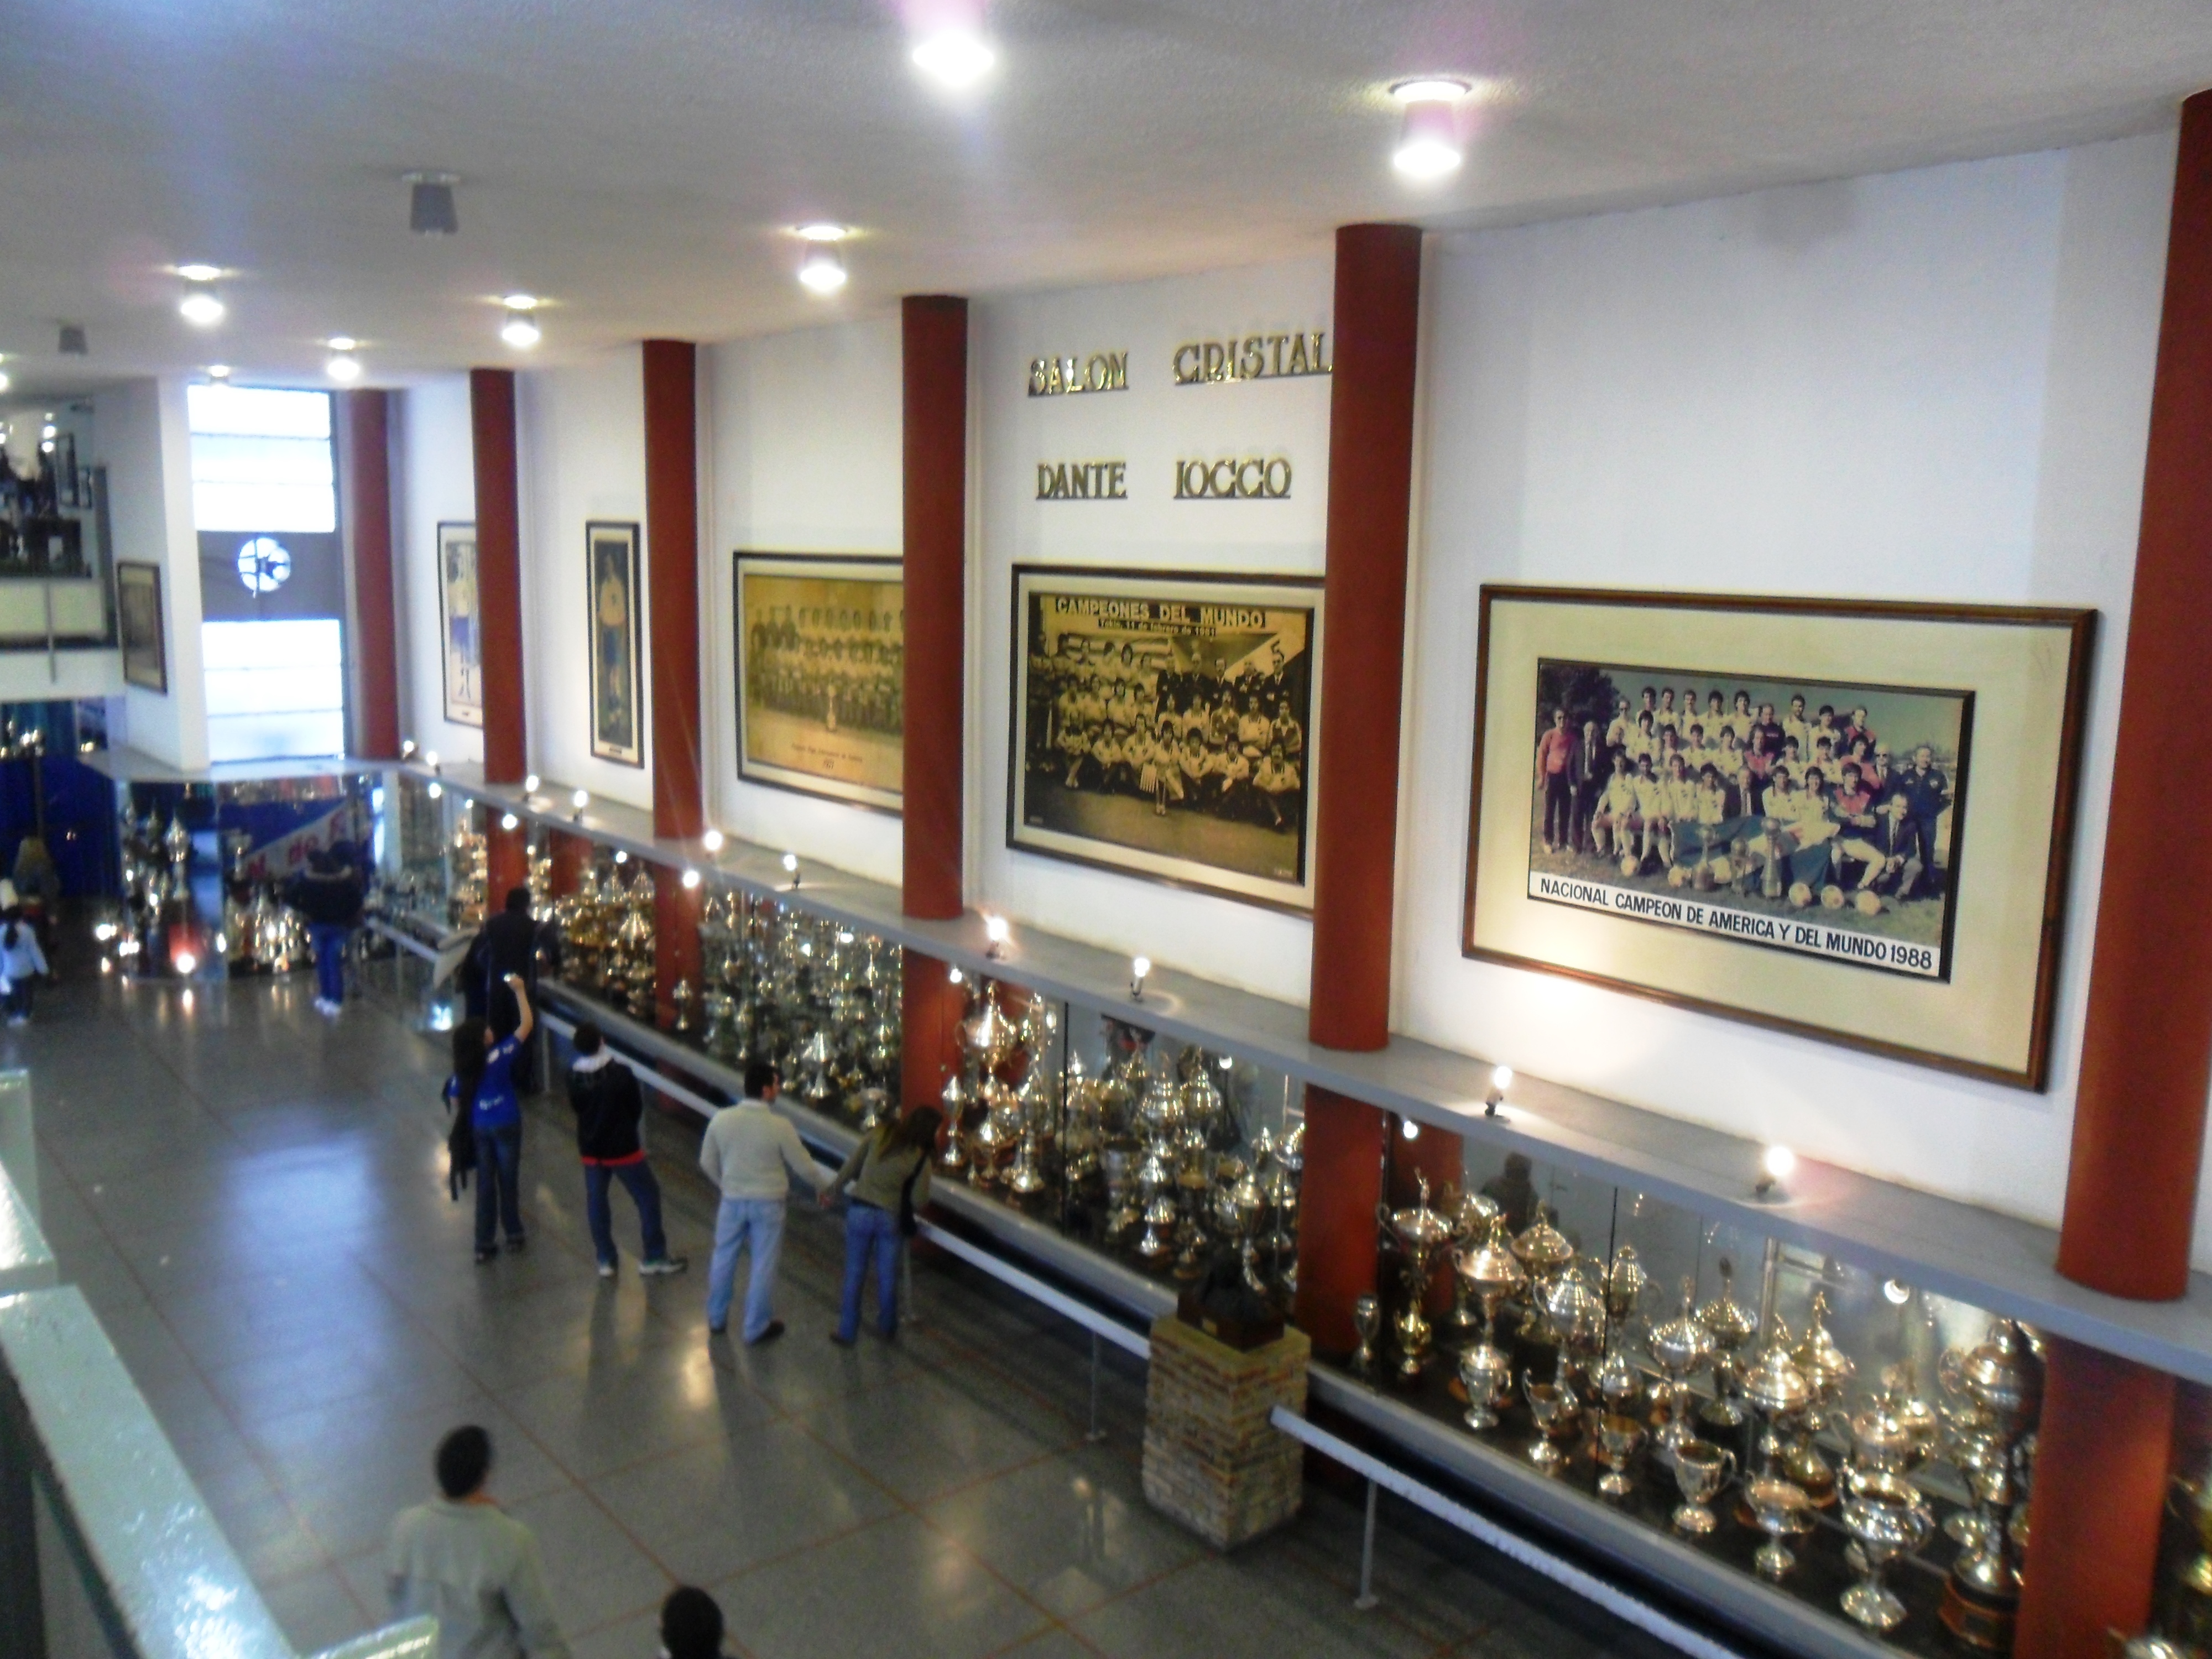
x=1151 y=425
x=145 y=443
x=580 y=441
x=799 y=453
x=1930 y=385
x=435 y=457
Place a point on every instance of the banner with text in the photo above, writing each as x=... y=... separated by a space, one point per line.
x=1808 y=932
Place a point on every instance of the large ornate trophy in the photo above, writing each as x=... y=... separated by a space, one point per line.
x=1420 y=1235
x=2003 y=1379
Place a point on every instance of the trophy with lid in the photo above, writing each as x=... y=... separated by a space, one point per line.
x=1680 y=1347
x=1488 y=1272
x=2004 y=1378
x=1420 y=1235
x=1470 y=1214
x=1731 y=1326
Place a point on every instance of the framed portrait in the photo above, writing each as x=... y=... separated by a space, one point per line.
x=821 y=651
x=610 y=552
x=1847 y=820
x=1162 y=726
x=460 y=624
x=138 y=618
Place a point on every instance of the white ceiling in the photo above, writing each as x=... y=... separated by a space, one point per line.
x=639 y=160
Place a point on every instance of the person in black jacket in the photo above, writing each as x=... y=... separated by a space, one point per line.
x=510 y=943
x=610 y=1107
x=327 y=896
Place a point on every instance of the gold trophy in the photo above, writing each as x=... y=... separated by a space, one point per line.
x=1420 y=1235
x=1886 y=1519
x=1554 y=1406
x=1779 y=1506
x=1701 y=1469
x=1731 y=1326
x=2003 y=1379
x=1367 y=1320
x=1681 y=1348
x=1617 y=1438
x=1487 y=1373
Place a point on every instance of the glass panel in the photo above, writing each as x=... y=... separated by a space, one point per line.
x=262 y=460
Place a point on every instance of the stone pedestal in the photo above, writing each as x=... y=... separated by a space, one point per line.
x=1212 y=1459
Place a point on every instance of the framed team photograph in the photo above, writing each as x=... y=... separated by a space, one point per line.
x=610 y=553
x=460 y=624
x=1845 y=819
x=1162 y=726
x=821 y=645
x=138 y=614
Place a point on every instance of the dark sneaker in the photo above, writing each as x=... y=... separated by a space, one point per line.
x=666 y=1264
x=844 y=1340
x=774 y=1329
x=519 y=1242
x=484 y=1256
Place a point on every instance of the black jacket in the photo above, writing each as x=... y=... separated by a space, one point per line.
x=609 y=1105
x=333 y=900
x=510 y=946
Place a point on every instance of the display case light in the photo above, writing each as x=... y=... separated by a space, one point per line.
x=577 y=803
x=1896 y=1291
x=1501 y=1079
x=690 y=879
x=712 y=840
x=436 y=789
x=407 y=749
x=996 y=931
x=1775 y=1165
x=621 y=857
x=1410 y=1129
x=430 y=758
x=954 y=976
x=1140 y=969
x=530 y=784
x=187 y=962
x=508 y=822
x=791 y=869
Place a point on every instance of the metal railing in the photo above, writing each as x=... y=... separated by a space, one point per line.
x=109 y=1551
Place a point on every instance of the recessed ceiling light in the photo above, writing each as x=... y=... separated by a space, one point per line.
x=218 y=371
x=201 y=308
x=823 y=232
x=520 y=331
x=958 y=58
x=823 y=268
x=343 y=367
x=1429 y=142
x=521 y=301
x=198 y=273
x=5 y=381
x=1429 y=89
x=342 y=343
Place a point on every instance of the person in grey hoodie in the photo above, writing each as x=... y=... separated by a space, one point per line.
x=462 y=1560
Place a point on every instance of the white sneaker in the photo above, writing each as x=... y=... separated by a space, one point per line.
x=666 y=1264
x=606 y=1270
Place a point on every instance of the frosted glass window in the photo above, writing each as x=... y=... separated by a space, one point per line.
x=262 y=460
x=274 y=688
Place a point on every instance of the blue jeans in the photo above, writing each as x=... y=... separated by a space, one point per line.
x=758 y=1221
x=499 y=1183
x=329 y=942
x=870 y=1231
x=644 y=1191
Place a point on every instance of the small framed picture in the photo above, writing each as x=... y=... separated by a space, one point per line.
x=460 y=624
x=610 y=554
x=138 y=612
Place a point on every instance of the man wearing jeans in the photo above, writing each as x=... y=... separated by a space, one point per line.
x=609 y=1108
x=746 y=1151
x=327 y=896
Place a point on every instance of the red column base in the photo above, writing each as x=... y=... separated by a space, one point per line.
x=930 y=1008
x=1338 y=1233
x=676 y=913
x=507 y=863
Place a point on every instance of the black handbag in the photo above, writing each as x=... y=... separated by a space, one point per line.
x=460 y=1149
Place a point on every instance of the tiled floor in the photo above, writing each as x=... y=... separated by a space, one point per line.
x=253 y=1200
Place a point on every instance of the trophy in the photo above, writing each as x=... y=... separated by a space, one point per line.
x=1158 y=1244
x=1471 y=1214
x=1617 y=1438
x=2004 y=1381
x=1367 y=1320
x=1731 y=1326
x=1777 y=1390
x=1701 y=1469
x=1827 y=1367
x=1576 y=1315
x=1491 y=1272
x=1420 y=1235
x=1680 y=1348
x=1624 y=1284
x=1886 y=1519
x=1543 y=1251
x=1487 y=1372
x=1779 y=1507
x=1553 y=1405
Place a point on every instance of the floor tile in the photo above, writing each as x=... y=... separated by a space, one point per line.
x=934 y=1438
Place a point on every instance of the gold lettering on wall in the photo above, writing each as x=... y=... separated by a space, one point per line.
x=1252 y=478
x=1082 y=481
x=1251 y=357
x=1063 y=377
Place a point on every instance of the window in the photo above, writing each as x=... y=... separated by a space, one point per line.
x=262 y=460
x=274 y=688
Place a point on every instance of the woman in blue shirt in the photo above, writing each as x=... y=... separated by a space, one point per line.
x=482 y=1084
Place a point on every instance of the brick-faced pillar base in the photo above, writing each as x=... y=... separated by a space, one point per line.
x=1212 y=1460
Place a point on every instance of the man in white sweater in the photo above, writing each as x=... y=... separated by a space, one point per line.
x=745 y=1153
x=464 y=1560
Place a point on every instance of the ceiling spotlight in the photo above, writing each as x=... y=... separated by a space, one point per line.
x=342 y=365
x=218 y=371
x=521 y=301
x=73 y=342
x=198 y=273
x=821 y=267
x=521 y=330
x=201 y=308
x=430 y=211
x=956 y=58
x=1429 y=141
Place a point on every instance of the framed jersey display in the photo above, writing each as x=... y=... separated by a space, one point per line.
x=610 y=552
x=1162 y=726
x=822 y=675
x=1846 y=819
x=138 y=614
x=460 y=624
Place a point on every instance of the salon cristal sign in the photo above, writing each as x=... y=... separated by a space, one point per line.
x=1250 y=357
x=1067 y=377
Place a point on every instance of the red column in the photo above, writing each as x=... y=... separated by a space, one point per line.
x=671 y=551
x=2102 y=1451
x=2147 y=1045
x=570 y=856
x=676 y=913
x=1370 y=478
x=934 y=342
x=499 y=574
x=376 y=636
x=930 y=1010
x=1337 y=1231
x=507 y=860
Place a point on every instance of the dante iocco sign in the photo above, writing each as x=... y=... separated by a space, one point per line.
x=1252 y=478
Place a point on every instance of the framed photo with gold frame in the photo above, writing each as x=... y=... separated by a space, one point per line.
x=820 y=649
x=460 y=624
x=610 y=557
x=139 y=623
x=1164 y=725
x=1759 y=808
